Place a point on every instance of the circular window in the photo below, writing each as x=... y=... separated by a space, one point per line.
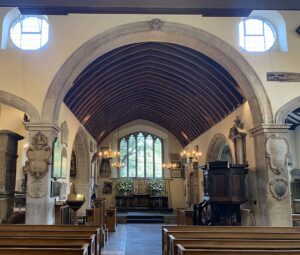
x=256 y=35
x=30 y=32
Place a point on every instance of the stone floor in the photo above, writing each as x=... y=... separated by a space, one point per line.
x=134 y=239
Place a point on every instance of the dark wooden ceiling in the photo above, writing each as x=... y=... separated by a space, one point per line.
x=225 y=8
x=176 y=87
x=293 y=119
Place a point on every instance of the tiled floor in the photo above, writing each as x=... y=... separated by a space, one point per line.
x=134 y=239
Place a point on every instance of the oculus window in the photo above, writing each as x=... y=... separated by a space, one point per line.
x=256 y=35
x=30 y=32
x=141 y=154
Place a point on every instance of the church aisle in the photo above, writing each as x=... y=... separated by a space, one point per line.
x=134 y=239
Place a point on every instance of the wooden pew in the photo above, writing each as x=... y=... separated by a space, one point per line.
x=54 y=233
x=73 y=228
x=186 y=251
x=284 y=235
x=232 y=243
x=40 y=242
x=83 y=250
x=166 y=230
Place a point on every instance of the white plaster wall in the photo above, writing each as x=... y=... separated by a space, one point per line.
x=74 y=125
x=29 y=73
x=170 y=145
x=12 y=119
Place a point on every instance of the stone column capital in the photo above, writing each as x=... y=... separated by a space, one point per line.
x=269 y=128
x=42 y=126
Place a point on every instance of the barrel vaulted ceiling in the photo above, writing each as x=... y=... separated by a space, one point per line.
x=176 y=87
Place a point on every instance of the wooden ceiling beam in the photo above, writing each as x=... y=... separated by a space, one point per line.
x=198 y=7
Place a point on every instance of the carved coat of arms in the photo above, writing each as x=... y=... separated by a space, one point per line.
x=38 y=155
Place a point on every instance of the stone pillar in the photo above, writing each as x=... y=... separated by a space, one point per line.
x=273 y=206
x=8 y=162
x=40 y=208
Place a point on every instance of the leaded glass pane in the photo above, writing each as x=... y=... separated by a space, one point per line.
x=140 y=155
x=149 y=156
x=123 y=157
x=30 y=32
x=158 y=158
x=132 y=156
x=256 y=35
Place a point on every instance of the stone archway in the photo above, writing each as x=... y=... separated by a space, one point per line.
x=159 y=31
x=81 y=181
x=21 y=104
x=206 y=43
x=215 y=147
x=286 y=109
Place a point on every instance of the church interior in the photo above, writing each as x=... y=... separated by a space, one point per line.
x=160 y=127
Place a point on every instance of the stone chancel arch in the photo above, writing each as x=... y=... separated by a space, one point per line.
x=200 y=41
x=160 y=31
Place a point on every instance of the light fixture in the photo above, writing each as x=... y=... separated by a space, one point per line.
x=117 y=164
x=109 y=154
x=190 y=154
x=170 y=165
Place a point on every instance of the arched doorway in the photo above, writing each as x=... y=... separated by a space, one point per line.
x=80 y=178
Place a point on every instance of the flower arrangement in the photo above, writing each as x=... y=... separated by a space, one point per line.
x=156 y=185
x=124 y=185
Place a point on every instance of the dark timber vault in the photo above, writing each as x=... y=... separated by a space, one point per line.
x=174 y=86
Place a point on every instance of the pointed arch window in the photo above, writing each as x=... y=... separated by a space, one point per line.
x=142 y=154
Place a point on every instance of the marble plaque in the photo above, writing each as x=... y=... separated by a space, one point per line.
x=277 y=152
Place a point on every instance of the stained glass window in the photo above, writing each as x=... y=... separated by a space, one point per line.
x=141 y=154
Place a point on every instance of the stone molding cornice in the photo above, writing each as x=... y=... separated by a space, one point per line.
x=37 y=126
x=269 y=128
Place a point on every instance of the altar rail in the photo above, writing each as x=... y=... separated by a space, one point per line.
x=142 y=201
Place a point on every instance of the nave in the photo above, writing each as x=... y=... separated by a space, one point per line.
x=132 y=239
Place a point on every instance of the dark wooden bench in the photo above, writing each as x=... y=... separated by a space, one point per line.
x=54 y=233
x=225 y=233
x=17 y=227
x=42 y=242
x=232 y=243
x=186 y=251
x=83 y=250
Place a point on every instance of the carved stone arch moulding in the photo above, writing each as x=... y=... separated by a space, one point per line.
x=163 y=31
x=277 y=149
x=279 y=188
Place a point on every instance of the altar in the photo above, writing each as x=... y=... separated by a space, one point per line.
x=141 y=202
